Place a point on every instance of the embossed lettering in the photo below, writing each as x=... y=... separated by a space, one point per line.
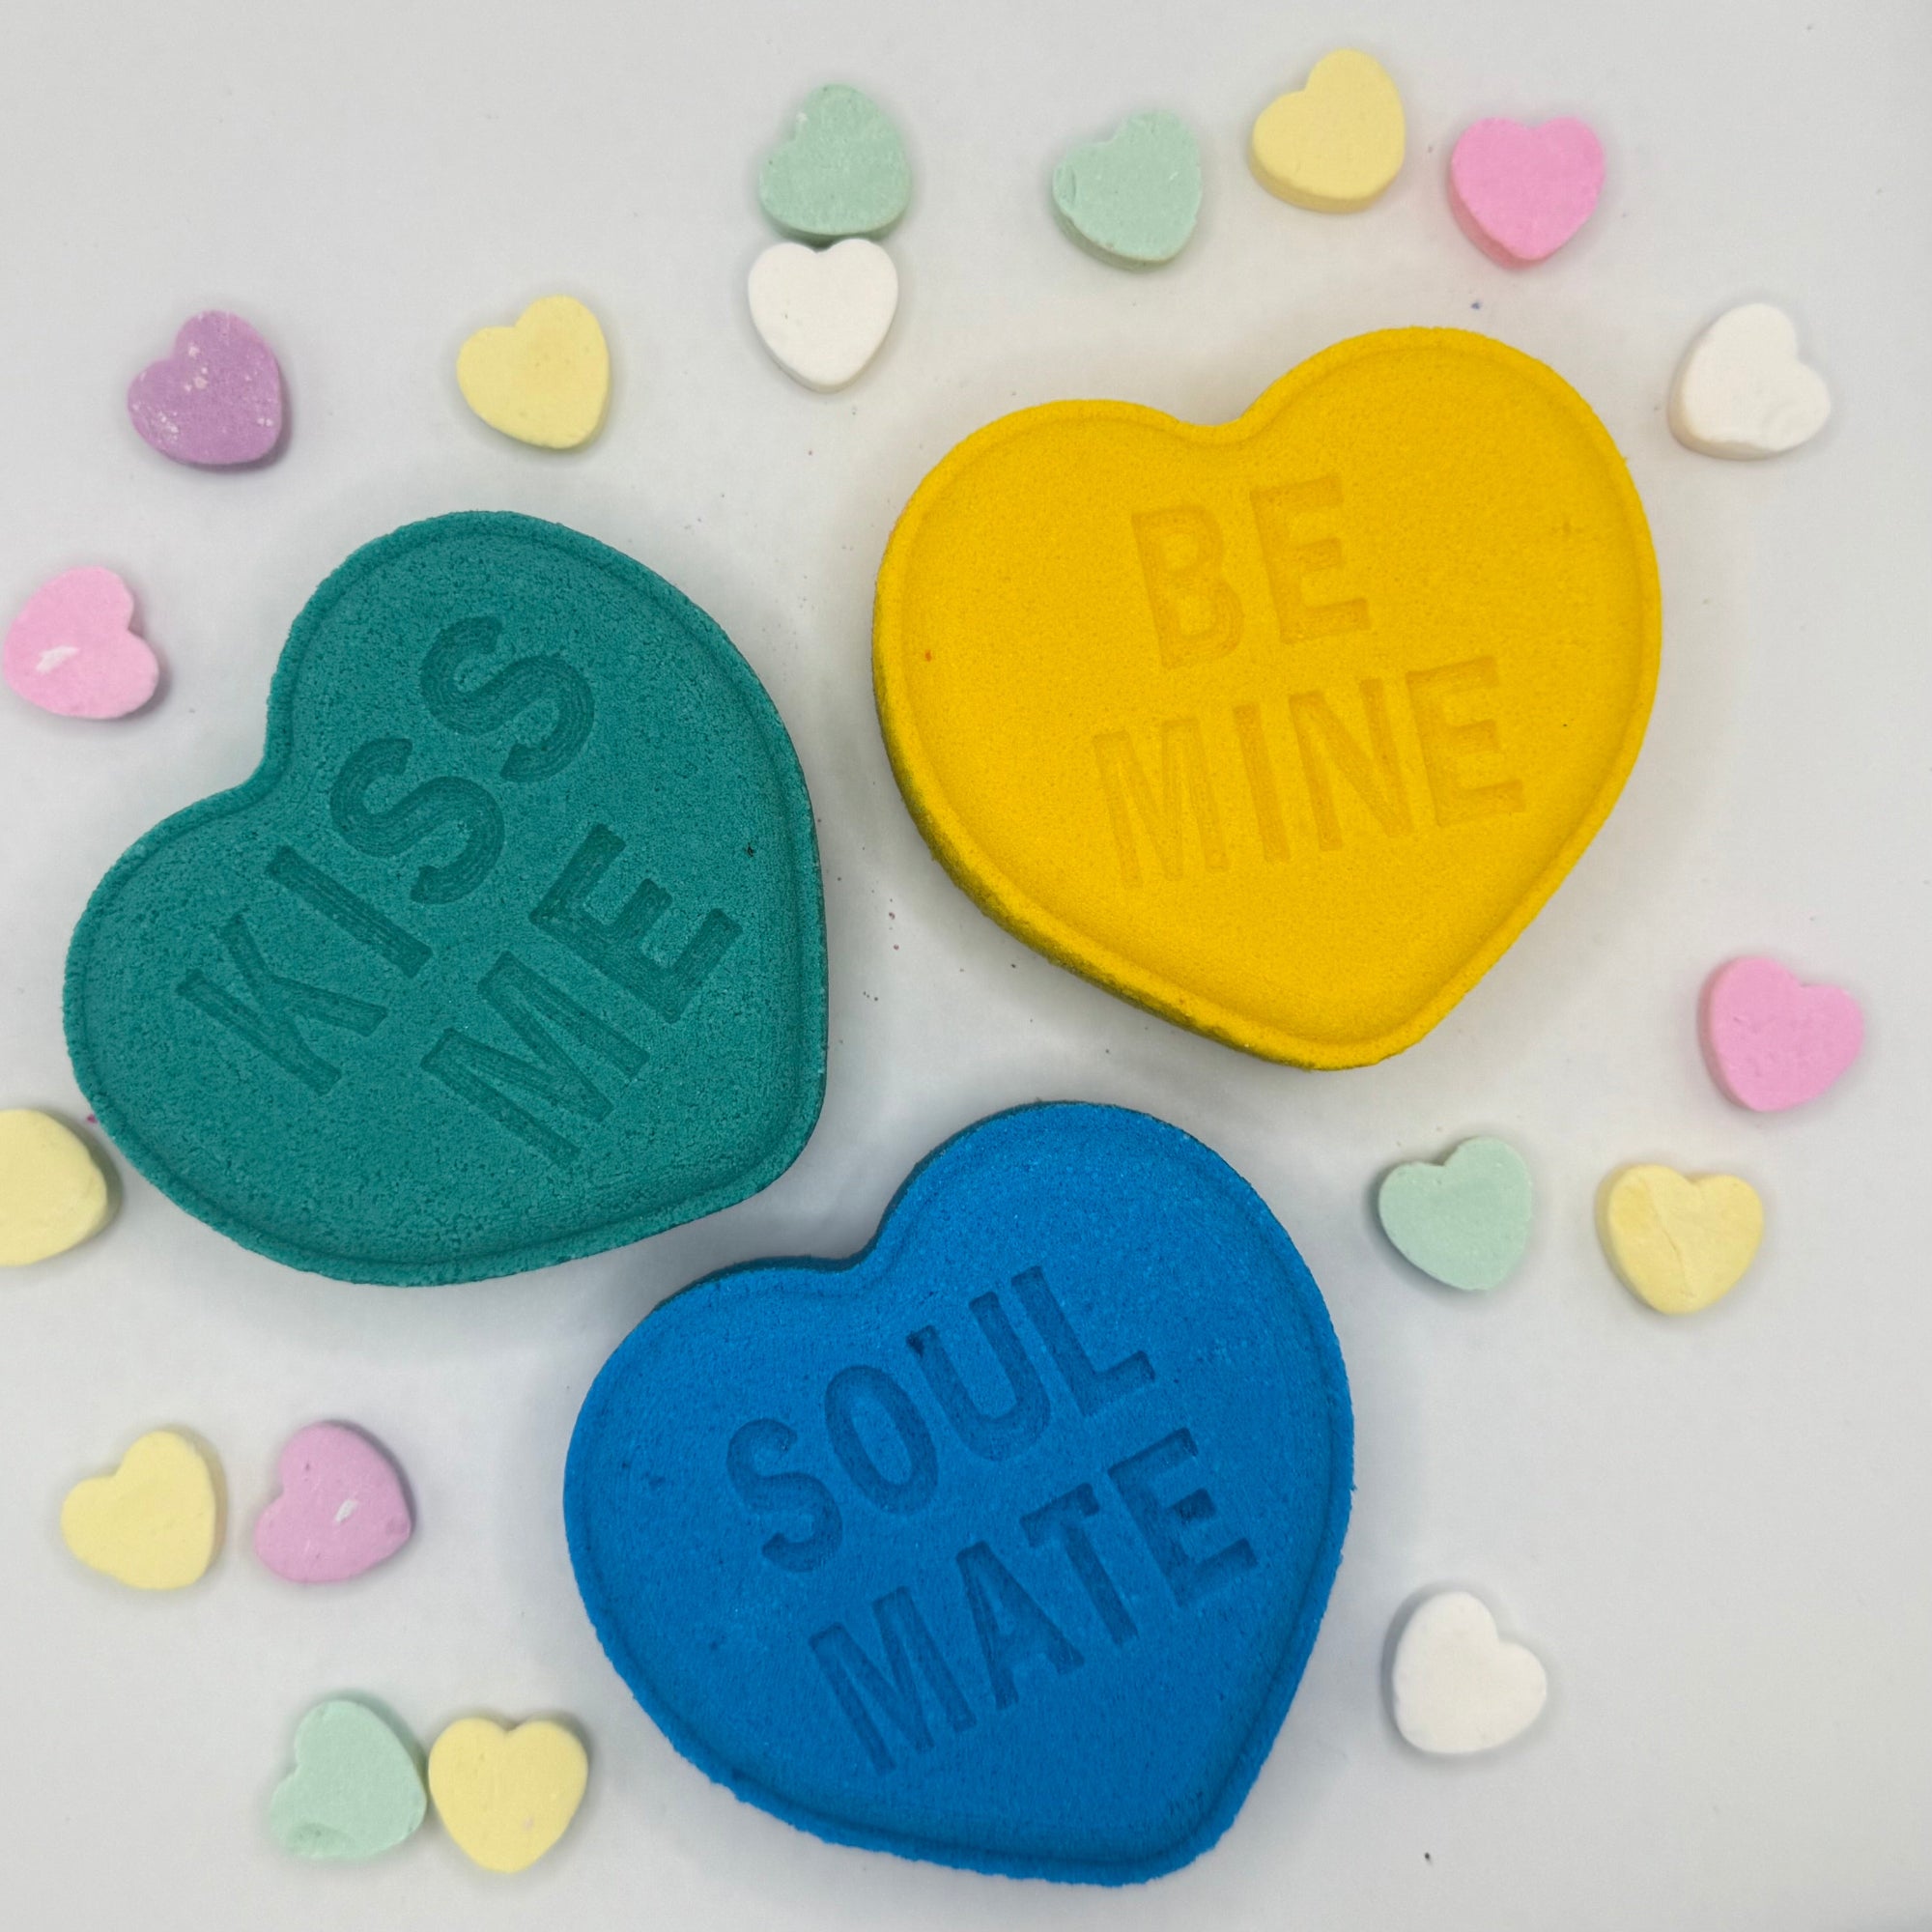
x=1373 y=775
x=848 y=1392
x=1061 y=1522
x=1260 y=768
x=1445 y=745
x=1091 y=1389
x=416 y=816
x=1197 y=615
x=524 y=683
x=1183 y=782
x=1019 y=1425
x=348 y=911
x=1012 y=1628
x=1160 y=1523
x=1288 y=563
x=906 y=1646
x=788 y=1492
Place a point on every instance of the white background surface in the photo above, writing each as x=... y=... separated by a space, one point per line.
x=1719 y=1533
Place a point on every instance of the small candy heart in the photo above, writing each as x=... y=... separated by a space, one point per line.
x=1134 y=196
x=1467 y=1222
x=342 y=1509
x=1741 y=392
x=355 y=1792
x=842 y=171
x=156 y=1522
x=1457 y=1686
x=73 y=649
x=216 y=401
x=1679 y=1244
x=1771 y=1040
x=507 y=1797
x=1337 y=143
x=53 y=1194
x=823 y=313
x=1519 y=192
x=543 y=379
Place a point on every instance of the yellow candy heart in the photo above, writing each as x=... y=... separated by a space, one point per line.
x=545 y=379
x=1679 y=1244
x=52 y=1193
x=507 y=1797
x=1284 y=728
x=1336 y=144
x=156 y=1522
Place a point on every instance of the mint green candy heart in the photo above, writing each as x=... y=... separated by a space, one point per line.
x=1464 y=1222
x=355 y=1791
x=843 y=171
x=1135 y=195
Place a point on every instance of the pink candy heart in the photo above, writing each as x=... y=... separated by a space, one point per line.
x=1521 y=192
x=342 y=1509
x=1773 y=1041
x=72 y=649
x=218 y=400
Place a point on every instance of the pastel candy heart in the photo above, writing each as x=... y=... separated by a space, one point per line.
x=156 y=1522
x=1742 y=391
x=1679 y=1244
x=507 y=1797
x=53 y=1195
x=1336 y=143
x=545 y=378
x=1134 y=196
x=216 y=400
x=1457 y=1686
x=355 y=1792
x=842 y=171
x=1466 y=1222
x=73 y=649
x=1519 y=193
x=510 y=952
x=823 y=313
x=1003 y=1544
x=342 y=1509
x=1771 y=1040
x=1285 y=727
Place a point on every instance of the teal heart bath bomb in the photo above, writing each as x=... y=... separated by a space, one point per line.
x=355 y=1792
x=1134 y=196
x=1464 y=1222
x=843 y=170
x=512 y=948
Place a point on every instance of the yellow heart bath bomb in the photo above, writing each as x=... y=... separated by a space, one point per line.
x=1679 y=1244
x=545 y=379
x=155 y=1522
x=507 y=1797
x=1337 y=143
x=1286 y=728
x=52 y=1193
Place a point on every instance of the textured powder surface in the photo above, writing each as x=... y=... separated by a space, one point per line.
x=1003 y=1544
x=1679 y=1244
x=511 y=950
x=1521 y=192
x=216 y=400
x=1771 y=1040
x=507 y=1796
x=1136 y=195
x=543 y=379
x=1465 y=1221
x=1457 y=1686
x=156 y=1522
x=342 y=1509
x=842 y=171
x=1742 y=391
x=823 y=312
x=1335 y=144
x=1285 y=728
x=355 y=1792
x=73 y=649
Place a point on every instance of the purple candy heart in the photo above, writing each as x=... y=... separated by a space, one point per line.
x=218 y=400
x=342 y=1509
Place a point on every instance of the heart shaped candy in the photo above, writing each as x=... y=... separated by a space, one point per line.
x=342 y=1509
x=355 y=1792
x=823 y=313
x=1741 y=390
x=1456 y=1685
x=543 y=379
x=1003 y=1544
x=156 y=1522
x=843 y=170
x=1519 y=193
x=1284 y=728
x=216 y=400
x=511 y=950
x=1679 y=1244
x=1771 y=1040
x=507 y=1797
x=1135 y=196
x=1466 y=1222
x=53 y=1195
x=1337 y=142
x=73 y=649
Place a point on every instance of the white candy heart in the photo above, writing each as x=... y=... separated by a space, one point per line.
x=1743 y=393
x=823 y=312
x=1456 y=1685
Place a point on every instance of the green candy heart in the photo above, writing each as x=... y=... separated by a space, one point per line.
x=355 y=1791
x=1134 y=196
x=1466 y=1222
x=842 y=171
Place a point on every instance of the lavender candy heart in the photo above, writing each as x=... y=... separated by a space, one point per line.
x=216 y=401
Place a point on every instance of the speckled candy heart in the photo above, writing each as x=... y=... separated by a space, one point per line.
x=216 y=400
x=342 y=1509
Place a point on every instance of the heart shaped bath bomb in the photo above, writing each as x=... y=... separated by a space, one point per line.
x=216 y=401
x=342 y=1509
x=355 y=1792
x=1741 y=390
x=510 y=952
x=1519 y=193
x=1467 y=1222
x=823 y=312
x=543 y=379
x=156 y=1522
x=1003 y=1544
x=1337 y=143
x=1458 y=1687
x=1679 y=1244
x=1773 y=1041
x=1134 y=196
x=1284 y=728
x=843 y=170
x=507 y=1797
x=53 y=1195
x=73 y=649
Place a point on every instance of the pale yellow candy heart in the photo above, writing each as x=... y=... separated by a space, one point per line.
x=1679 y=1244
x=545 y=379
x=52 y=1193
x=507 y=1797
x=1338 y=142
x=156 y=1522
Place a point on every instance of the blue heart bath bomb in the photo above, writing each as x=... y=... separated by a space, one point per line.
x=1003 y=1544
x=511 y=950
